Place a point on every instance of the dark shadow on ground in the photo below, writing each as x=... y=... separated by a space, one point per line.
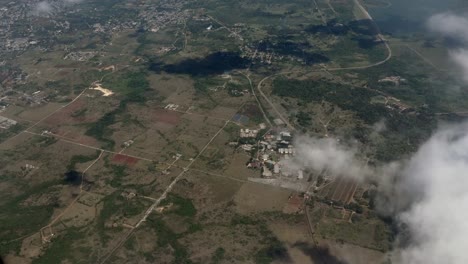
x=318 y=254
x=213 y=64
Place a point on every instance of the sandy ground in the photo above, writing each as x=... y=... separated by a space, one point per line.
x=104 y=91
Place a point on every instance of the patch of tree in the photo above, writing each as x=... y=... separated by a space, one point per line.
x=260 y=12
x=183 y=206
x=365 y=42
x=331 y=27
x=167 y=237
x=62 y=250
x=402 y=26
x=235 y=90
x=218 y=255
x=238 y=219
x=364 y=27
x=303 y=119
x=19 y=219
x=288 y=46
x=13 y=130
x=355 y=207
x=405 y=131
x=100 y=129
x=213 y=64
x=118 y=172
x=108 y=209
x=275 y=251
x=251 y=141
x=81 y=159
x=133 y=87
x=345 y=96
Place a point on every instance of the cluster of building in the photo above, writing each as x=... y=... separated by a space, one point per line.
x=80 y=55
x=248 y=133
x=166 y=12
x=262 y=56
x=128 y=143
x=14 y=38
x=396 y=80
x=273 y=151
x=6 y=123
x=172 y=107
x=28 y=168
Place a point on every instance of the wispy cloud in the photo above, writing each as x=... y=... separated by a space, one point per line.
x=327 y=154
x=450 y=25
x=453 y=26
x=49 y=7
x=73 y=1
x=460 y=57
x=43 y=8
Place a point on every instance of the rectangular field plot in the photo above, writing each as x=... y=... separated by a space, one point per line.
x=174 y=133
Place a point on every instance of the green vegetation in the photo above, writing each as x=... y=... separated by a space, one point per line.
x=62 y=248
x=238 y=219
x=133 y=86
x=218 y=255
x=401 y=127
x=81 y=159
x=109 y=207
x=18 y=219
x=272 y=249
x=118 y=172
x=202 y=87
x=183 y=206
x=100 y=129
x=345 y=96
x=167 y=237
x=304 y=119
x=368 y=233
x=275 y=249
x=206 y=45
x=13 y=130
x=79 y=113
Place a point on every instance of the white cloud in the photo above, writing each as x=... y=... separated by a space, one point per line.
x=379 y=126
x=437 y=216
x=319 y=154
x=43 y=8
x=428 y=193
x=460 y=57
x=454 y=26
x=449 y=25
x=49 y=7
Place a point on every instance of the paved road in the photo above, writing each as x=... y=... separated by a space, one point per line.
x=275 y=109
x=162 y=197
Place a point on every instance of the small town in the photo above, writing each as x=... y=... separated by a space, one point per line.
x=270 y=151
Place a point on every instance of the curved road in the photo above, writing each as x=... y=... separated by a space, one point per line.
x=380 y=36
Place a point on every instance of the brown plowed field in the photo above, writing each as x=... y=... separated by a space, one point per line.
x=343 y=190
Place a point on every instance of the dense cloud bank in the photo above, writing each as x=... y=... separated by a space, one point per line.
x=437 y=216
x=427 y=193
